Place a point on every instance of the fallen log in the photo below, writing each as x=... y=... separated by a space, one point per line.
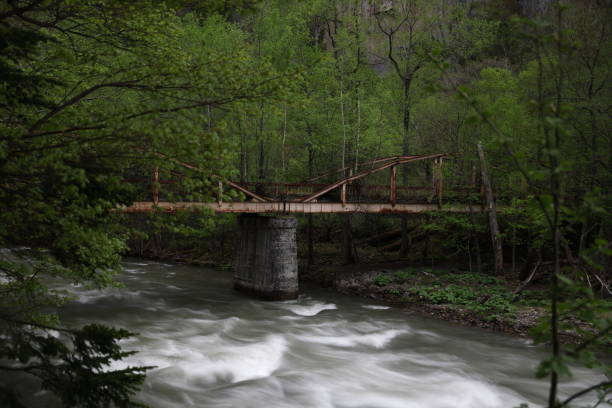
x=391 y=247
x=524 y=283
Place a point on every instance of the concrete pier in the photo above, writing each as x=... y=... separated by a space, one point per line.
x=267 y=257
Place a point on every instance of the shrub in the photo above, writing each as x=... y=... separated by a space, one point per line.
x=496 y=303
x=394 y=292
x=401 y=276
x=382 y=280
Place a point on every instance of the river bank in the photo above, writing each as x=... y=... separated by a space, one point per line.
x=460 y=297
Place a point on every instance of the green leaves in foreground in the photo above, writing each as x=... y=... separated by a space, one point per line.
x=74 y=364
x=583 y=313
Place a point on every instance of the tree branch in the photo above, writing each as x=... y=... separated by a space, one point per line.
x=77 y=98
x=585 y=391
x=590 y=341
x=19 y=10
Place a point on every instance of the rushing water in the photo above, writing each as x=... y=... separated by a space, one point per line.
x=214 y=347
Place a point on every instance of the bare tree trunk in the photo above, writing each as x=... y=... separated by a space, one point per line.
x=343 y=123
x=209 y=114
x=555 y=190
x=243 y=154
x=404 y=244
x=347 y=244
x=358 y=130
x=157 y=245
x=473 y=231
x=405 y=68
x=513 y=249
x=492 y=211
x=262 y=146
x=283 y=159
x=310 y=255
x=407 y=81
x=475 y=238
x=357 y=36
x=310 y=258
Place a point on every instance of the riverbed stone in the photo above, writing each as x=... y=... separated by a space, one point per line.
x=266 y=265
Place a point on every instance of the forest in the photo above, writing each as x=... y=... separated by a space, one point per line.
x=103 y=102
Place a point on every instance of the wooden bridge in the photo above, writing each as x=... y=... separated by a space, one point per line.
x=346 y=195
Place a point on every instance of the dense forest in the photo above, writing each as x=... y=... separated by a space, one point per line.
x=98 y=95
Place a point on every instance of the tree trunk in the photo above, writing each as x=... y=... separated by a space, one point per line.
x=473 y=222
x=492 y=211
x=475 y=237
x=310 y=255
x=532 y=256
x=406 y=81
x=262 y=146
x=243 y=153
x=403 y=252
x=347 y=244
x=283 y=164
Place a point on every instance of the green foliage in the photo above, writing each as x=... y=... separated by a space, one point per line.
x=535 y=298
x=382 y=280
x=583 y=313
x=91 y=94
x=531 y=119
x=483 y=294
x=394 y=292
x=401 y=276
x=74 y=365
x=495 y=303
x=226 y=8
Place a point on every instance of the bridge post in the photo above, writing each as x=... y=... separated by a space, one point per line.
x=393 y=186
x=266 y=265
x=155 y=186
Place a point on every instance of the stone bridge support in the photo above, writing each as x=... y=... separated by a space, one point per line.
x=267 y=257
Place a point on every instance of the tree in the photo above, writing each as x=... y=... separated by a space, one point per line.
x=92 y=91
x=547 y=169
x=406 y=57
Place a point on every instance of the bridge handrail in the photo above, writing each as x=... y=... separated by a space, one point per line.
x=388 y=162
x=342 y=169
x=344 y=181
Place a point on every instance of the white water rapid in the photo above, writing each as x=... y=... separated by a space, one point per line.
x=214 y=347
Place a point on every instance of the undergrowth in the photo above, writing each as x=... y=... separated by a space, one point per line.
x=480 y=293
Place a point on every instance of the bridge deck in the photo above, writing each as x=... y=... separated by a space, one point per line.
x=299 y=208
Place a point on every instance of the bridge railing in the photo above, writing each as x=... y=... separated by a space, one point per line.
x=351 y=188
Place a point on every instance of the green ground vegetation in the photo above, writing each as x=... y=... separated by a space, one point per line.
x=486 y=295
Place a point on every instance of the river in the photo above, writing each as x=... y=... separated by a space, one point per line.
x=214 y=347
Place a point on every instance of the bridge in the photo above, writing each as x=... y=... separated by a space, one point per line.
x=346 y=195
x=266 y=263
